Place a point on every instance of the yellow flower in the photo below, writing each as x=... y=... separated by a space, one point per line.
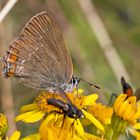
x=127 y=108
x=4 y=128
x=126 y=115
x=37 y=110
x=101 y=112
x=40 y=109
x=63 y=128
x=3 y=125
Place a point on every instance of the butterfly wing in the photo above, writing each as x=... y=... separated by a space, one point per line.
x=39 y=57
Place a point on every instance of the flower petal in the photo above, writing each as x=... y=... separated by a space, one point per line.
x=29 y=107
x=79 y=128
x=132 y=100
x=25 y=115
x=15 y=136
x=35 y=117
x=128 y=113
x=122 y=108
x=120 y=99
x=93 y=120
x=137 y=126
x=89 y=100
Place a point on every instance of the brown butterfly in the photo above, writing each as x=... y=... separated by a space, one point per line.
x=39 y=57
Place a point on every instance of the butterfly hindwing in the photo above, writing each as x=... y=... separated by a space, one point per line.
x=39 y=56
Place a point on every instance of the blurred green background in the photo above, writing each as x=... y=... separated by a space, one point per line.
x=122 y=22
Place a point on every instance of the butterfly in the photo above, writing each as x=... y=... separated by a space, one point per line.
x=39 y=57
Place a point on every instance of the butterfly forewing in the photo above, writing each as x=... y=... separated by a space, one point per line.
x=39 y=57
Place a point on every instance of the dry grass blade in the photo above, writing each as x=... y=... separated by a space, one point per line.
x=104 y=39
x=6 y=9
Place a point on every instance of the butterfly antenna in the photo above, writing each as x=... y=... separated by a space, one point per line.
x=92 y=85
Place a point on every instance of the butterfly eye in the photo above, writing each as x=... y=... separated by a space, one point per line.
x=73 y=81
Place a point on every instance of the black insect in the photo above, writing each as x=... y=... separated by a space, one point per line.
x=67 y=108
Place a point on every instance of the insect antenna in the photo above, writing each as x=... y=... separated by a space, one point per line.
x=92 y=85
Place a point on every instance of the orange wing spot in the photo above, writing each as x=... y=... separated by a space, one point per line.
x=9 y=74
x=12 y=55
x=13 y=58
x=11 y=71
